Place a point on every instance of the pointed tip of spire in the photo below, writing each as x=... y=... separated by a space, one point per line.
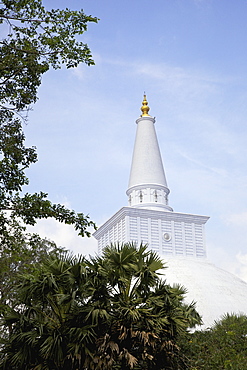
x=145 y=108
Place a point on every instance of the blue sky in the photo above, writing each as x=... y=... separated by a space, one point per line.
x=190 y=58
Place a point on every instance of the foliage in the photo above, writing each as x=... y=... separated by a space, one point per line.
x=26 y=252
x=35 y=40
x=224 y=346
x=108 y=312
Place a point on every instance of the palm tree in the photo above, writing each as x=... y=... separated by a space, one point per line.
x=108 y=312
x=144 y=315
x=46 y=330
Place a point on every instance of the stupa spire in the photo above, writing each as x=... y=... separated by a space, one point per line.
x=147 y=183
x=145 y=108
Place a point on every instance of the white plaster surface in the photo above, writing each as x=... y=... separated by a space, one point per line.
x=147 y=167
x=216 y=291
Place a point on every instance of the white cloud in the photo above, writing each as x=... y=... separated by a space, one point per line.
x=237 y=219
x=81 y=71
x=188 y=157
x=65 y=236
x=183 y=82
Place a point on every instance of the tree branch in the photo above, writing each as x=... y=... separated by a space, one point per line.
x=7 y=18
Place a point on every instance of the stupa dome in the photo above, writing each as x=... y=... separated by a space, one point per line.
x=215 y=290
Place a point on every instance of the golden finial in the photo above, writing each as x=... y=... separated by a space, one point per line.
x=145 y=108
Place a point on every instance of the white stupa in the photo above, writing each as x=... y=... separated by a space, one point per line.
x=178 y=237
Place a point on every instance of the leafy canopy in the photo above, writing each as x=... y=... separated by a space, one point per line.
x=35 y=40
x=223 y=346
x=108 y=312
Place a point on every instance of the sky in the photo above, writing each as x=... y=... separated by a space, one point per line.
x=190 y=57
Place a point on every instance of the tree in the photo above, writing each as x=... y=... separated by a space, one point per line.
x=27 y=251
x=223 y=346
x=146 y=315
x=35 y=40
x=49 y=319
x=108 y=312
